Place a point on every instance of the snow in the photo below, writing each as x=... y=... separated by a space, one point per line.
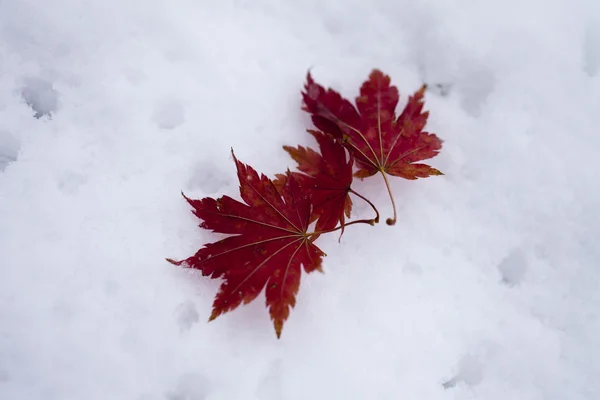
x=487 y=288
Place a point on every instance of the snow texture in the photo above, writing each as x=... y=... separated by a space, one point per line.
x=487 y=288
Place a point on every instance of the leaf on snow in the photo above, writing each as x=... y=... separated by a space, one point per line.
x=327 y=176
x=380 y=141
x=269 y=247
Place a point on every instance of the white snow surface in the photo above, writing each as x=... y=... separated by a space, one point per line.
x=487 y=287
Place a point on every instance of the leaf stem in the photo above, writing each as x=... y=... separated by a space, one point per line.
x=358 y=221
x=376 y=219
x=390 y=221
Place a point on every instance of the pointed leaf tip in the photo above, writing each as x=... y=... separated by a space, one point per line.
x=213 y=316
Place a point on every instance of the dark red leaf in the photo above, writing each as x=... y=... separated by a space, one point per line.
x=379 y=141
x=269 y=248
x=328 y=177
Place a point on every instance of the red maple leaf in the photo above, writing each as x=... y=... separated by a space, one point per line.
x=270 y=245
x=379 y=141
x=327 y=176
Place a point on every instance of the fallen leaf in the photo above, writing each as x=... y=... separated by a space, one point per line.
x=328 y=177
x=270 y=246
x=379 y=141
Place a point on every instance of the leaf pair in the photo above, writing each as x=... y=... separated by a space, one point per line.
x=271 y=241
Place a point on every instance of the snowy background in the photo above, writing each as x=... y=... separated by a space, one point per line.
x=487 y=288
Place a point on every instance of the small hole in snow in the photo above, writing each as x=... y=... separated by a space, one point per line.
x=191 y=387
x=513 y=267
x=187 y=315
x=441 y=89
x=169 y=115
x=208 y=177
x=9 y=149
x=40 y=96
x=592 y=50
x=470 y=372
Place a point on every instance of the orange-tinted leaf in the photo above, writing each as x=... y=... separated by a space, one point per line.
x=380 y=141
x=269 y=249
x=328 y=178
